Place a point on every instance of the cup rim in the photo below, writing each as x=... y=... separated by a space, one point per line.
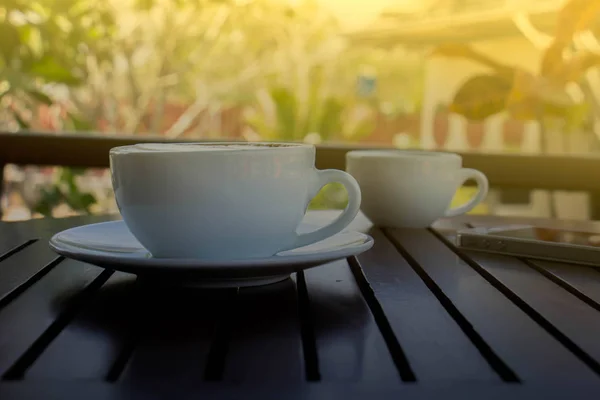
x=399 y=154
x=258 y=147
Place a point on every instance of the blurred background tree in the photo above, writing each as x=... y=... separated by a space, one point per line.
x=44 y=48
x=556 y=96
x=187 y=68
x=44 y=51
x=117 y=66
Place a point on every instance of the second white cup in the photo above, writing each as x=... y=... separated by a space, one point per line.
x=411 y=189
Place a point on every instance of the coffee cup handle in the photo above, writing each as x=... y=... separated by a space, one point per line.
x=483 y=184
x=345 y=218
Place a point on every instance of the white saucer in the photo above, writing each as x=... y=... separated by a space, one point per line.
x=111 y=245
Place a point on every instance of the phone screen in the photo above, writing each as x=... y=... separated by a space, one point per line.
x=552 y=235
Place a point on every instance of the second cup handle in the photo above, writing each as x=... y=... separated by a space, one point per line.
x=344 y=219
x=482 y=182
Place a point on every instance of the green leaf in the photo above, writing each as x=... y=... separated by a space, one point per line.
x=22 y=123
x=49 y=199
x=10 y=40
x=331 y=196
x=145 y=5
x=73 y=196
x=78 y=171
x=4 y=93
x=80 y=201
x=13 y=4
x=313 y=116
x=461 y=50
x=259 y=125
x=361 y=129
x=80 y=8
x=331 y=118
x=67 y=178
x=44 y=208
x=87 y=200
x=482 y=96
x=50 y=70
x=41 y=97
x=31 y=35
x=79 y=124
x=286 y=109
x=574 y=116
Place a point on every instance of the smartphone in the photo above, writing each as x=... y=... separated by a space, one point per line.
x=534 y=242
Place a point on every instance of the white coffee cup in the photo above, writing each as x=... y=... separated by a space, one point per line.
x=411 y=189
x=221 y=201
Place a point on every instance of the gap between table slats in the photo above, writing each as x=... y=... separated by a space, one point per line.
x=412 y=318
x=291 y=339
x=528 y=290
x=350 y=343
x=235 y=335
x=495 y=362
x=22 y=266
x=15 y=249
x=33 y=319
x=312 y=371
x=514 y=344
x=265 y=343
x=178 y=335
x=220 y=349
x=570 y=321
x=581 y=281
x=89 y=345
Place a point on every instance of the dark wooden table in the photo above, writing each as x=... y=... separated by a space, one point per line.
x=412 y=318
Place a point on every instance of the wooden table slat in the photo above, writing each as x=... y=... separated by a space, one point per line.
x=26 y=319
x=520 y=342
x=350 y=346
x=265 y=342
x=436 y=347
x=463 y=325
x=176 y=334
x=565 y=312
x=584 y=279
x=11 y=245
x=89 y=345
x=19 y=270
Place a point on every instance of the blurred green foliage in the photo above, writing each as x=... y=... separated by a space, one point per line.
x=43 y=47
x=118 y=65
x=280 y=114
x=332 y=196
x=43 y=44
x=547 y=94
x=65 y=190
